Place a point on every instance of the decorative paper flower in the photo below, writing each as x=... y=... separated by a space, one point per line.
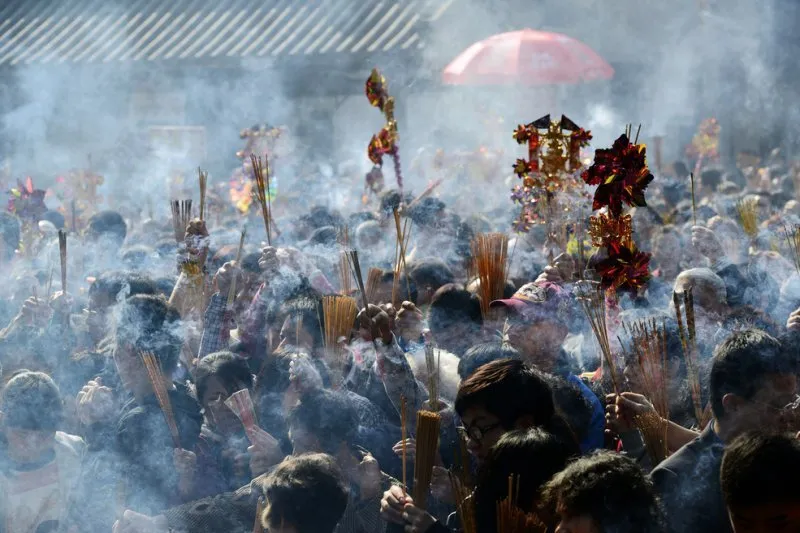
x=381 y=144
x=604 y=229
x=522 y=133
x=621 y=176
x=581 y=137
x=26 y=201
x=625 y=269
x=375 y=89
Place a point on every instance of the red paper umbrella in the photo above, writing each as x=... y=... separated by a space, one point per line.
x=527 y=57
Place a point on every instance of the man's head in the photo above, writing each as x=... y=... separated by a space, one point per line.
x=31 y=413
x=105 y=292
x=305 y=494
x=753 y=379
x=323 y=421
x=454 y=318
x=499 y=397
x=145 y=324
x=708 y=290
x=107 y=228
x=603 y=493
x=759 y=494
x=428 y=275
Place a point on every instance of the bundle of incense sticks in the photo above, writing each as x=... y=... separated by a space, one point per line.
x=261 y=177
x=687 y=334
x=403 y=236
x=373 y=282
x=241 y=404
x=339 y=316
x=232 y=289
x=465 y=505
x=403 y=436
x=427 y=442
x=156 y=378
x=490 y=260
x=432 y=362
x=181 y=215
x=748 y=216
x=257 y=528
x=512 y=519
x=345 y=275
x=352 y=256
x=593 y=301
x=793 y=241
x=202 y=178
x=62 y=249
x=649 y=346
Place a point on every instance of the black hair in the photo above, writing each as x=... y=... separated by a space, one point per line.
x=10 y=232
x=609 y=488
x=481 y=354
x=324 y=236
x=150 y=324
x=508 y=389
x=330 y=416
x=136 y=257
x=32 y=401
x=113 y=283
x=108 y=223
x=711 y=178
x=250 y=262
x=55 y=218
x=453 y=303
x=405 y=285
x=308 y=493
x=533 y=456
x=427 y=212
x=742 y=362
x=431 y=272
x=754 y=470
x=230 y=369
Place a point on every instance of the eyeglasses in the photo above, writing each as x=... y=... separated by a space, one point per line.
x=477 y=433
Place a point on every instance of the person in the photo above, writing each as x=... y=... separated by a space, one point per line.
x=133 y=458
x=537 y=327
x=758 y=493
x=454 y=318
x=429 y=274
x=752 y=379
x=226 y=460
x=305 y=494
x=604 y=492
x=39 y=465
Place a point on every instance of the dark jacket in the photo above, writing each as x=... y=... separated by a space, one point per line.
x=689 y=487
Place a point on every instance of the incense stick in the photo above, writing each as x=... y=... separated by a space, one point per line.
x=427 y=447
x=261 y=177
x=490 y=258
x=181 y=215
x=162 y=396
x=594 y=305
x=374 y=277
x=748 y=216
x=432 y=364
x=689 y=345
x=465 y=505
x=694 y=206
x=512 y=519
x=202 y=178
x=356 y=267
x=339 y=314
x=232 y=289
x=403 y=436
x=62 y=249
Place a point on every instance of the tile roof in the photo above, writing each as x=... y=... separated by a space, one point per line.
x=58 y=31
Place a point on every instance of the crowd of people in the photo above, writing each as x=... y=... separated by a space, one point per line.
x=87 y=444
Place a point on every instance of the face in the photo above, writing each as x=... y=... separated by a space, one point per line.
x=482 y=431
x=767 y=410
x=217 y=412
x=539 y=343
x=131 y=370
x=303 y=441
x=577 y=524
x=766 y=518
x=26 y=445
x=293 y=332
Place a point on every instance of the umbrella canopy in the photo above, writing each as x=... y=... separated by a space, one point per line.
x=527 y=57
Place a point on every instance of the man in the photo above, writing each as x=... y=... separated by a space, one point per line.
x=752 y=380
x=537 y=318
x=603 y=493
x=758 y=493
x=306 y=494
